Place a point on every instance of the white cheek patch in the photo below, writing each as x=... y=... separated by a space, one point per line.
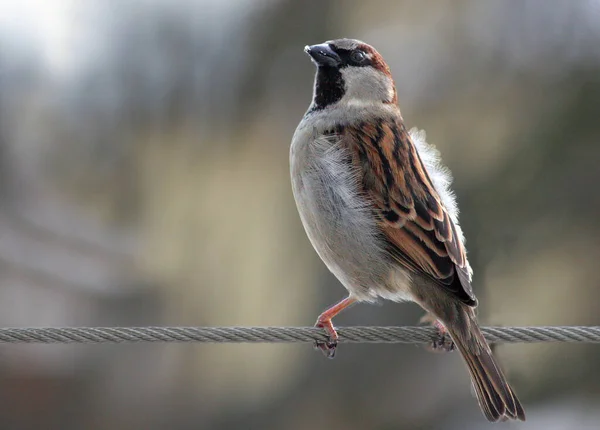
x=366 y=84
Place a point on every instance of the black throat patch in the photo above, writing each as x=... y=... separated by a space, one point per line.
x=329 y=88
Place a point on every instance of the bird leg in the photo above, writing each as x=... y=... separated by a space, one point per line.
x=324 y=321
x=442 y=342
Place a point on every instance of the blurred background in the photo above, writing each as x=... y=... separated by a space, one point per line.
x=144 y=181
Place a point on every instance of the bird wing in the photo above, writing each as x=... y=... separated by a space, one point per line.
x=417 y=229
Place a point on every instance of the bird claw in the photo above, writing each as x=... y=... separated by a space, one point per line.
x=442 y=342
x=327 y=347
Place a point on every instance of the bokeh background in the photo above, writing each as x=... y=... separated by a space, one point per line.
x=144 y=181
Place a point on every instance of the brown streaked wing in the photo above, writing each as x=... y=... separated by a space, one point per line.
x=419 y=233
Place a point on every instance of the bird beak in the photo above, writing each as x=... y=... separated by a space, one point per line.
x=323 y=55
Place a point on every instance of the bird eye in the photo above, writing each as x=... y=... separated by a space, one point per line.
x=358 y=56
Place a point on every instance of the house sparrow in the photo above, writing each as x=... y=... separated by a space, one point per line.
x=376 y=205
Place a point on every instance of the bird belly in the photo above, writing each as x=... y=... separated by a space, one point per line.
x=340 y=224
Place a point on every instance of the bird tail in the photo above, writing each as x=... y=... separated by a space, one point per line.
x=496 y=398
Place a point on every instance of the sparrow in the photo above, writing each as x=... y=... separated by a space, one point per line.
x=376 y=204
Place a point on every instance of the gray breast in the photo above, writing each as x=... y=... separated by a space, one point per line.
x=338 y=222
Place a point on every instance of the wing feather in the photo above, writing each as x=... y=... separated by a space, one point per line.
x=420 y=233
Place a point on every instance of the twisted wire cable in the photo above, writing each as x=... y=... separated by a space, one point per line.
x=586 y=334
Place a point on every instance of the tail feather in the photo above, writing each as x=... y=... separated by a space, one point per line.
x=496 y=398
x=491 y=404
